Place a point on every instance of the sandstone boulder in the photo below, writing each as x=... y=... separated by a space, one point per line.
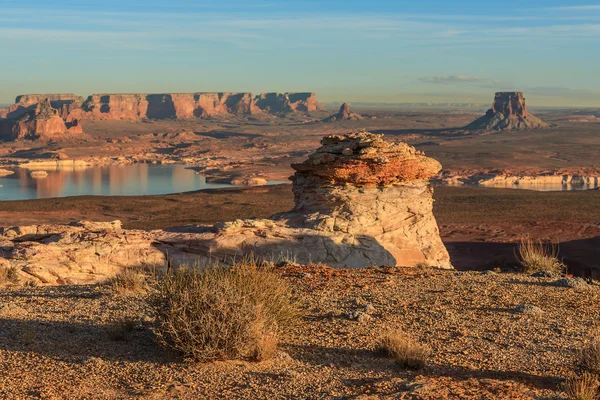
x=508 y=112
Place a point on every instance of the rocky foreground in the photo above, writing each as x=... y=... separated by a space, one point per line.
x=60 y=342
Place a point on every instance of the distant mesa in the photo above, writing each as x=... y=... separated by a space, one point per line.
x=509 y=112
x=38 y=121
x=345 y=114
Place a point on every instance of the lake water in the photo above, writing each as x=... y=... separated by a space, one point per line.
x=114 y=180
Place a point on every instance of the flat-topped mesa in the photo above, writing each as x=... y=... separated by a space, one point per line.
x=509 y=111
x=281 y=103
x=345 y=114
x=193 y=105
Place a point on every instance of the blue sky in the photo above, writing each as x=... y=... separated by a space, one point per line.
x=388 y=51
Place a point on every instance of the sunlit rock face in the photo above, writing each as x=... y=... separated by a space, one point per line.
x=508 y=112
x=359 y=201
x=138 y=106
x=42 y=122
x=345 y=114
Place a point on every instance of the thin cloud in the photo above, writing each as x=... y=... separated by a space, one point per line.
x=465 y=80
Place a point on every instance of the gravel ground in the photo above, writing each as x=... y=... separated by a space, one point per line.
x=55 y=342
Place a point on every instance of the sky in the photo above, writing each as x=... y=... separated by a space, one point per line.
x=344 y=50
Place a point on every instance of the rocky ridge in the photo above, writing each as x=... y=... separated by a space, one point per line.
x=508 y=112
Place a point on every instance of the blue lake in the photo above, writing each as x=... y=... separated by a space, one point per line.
x=113 y=180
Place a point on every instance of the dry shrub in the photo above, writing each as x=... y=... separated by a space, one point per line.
x=407 y=352
x=121 y=329
x=535 y=256
x=222 y=312
x=129 y=282
x=583 y=387
x=590 y=353
x=8 y=275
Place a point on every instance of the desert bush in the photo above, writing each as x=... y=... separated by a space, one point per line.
x=8 y=275
x=582 y=387
x=407 y=352
x=590 y=353
x=130 y=281
x=119 y=330
x=222 y=312
x=535 y=256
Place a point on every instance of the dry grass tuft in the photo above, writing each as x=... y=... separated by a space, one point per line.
x=8 y=275
x=583 y=387
x=129 y=282
x=535 y=256
x=407 y=352
x=590 y=353
x=223 y=312
x=121 y=329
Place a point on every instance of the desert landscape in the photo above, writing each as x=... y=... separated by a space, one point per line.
x=385 y=229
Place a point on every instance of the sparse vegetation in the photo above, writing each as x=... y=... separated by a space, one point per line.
x=223 y=312
x=8 y=275
x=582 y=387
x=590 y=353
x=130 y=281
x=536 y=256
x=121 y=329
x=407 y=352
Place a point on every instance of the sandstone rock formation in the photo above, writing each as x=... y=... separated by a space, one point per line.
x=83 y=253
x=345 y=114
x=168 y=106
x=28 y=102
x=508 y=112
x=360 y=201
x=42 y=122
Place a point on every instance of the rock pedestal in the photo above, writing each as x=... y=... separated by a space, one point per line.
x=359 y=201
x=508 y=112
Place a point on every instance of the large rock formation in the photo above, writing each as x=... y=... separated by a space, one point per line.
x=345 y=114
x=359 y=201
x=508 y=112
x=42 y=122
x=26 y=103
x=168 y=105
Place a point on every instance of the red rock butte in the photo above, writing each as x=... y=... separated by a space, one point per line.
x=508 y=112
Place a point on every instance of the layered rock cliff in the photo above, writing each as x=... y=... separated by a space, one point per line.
x=43 y=122
x=169 y=105
x=508 y=112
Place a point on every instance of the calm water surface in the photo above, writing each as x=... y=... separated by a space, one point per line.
x=115 y=180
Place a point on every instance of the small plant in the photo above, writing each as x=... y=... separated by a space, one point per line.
x=590 y=353
x=129 y=282
x=222 y=312
x=583 y=387
x=121 y=329
x=406 y=351
x=8 y=275
x=535 y=256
